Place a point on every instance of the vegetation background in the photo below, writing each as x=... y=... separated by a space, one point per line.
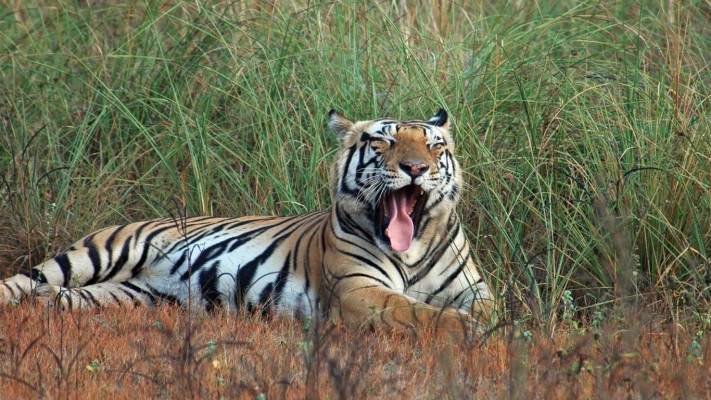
x=583 y=128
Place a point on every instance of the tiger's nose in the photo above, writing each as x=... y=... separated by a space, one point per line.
x=414 y=168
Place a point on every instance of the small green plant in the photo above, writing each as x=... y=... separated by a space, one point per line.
x=527 y=336
x=696 y=349
x=597 y=318
x=94 y=367
x=520 y=333
x=210 y=350
x=569 y=309
x=220 y=381
x=305 y=344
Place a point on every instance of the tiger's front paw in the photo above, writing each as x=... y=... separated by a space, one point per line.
x=458 y=326
x=53 y=297
x=45 y=291
x=43 y=295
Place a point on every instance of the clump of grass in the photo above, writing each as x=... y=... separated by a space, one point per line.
x=120 y=353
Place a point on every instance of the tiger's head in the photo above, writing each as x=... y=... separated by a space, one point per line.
x=394 y=177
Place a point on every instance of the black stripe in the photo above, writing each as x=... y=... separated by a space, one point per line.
x=205 y=256
x=11 y=289
x=212 y=227
x=113 y=296
x=131 y=295
x=234 y=242
x=458 y=256
x=340 y=278
x=435 y=203
x=208 y=284
x=169 y=298
x=423 y=264
x=349 y=226
x=121 y=261
x=95 y=259
x=295 y=248
x=67 y=294
x=236 y=223
x=369 y=263
x=327 y=223
x=360 y=167
x=66 y=266
x=183 y=242
x=265 y=297
x=468 y=289
x=344 y=240
x=139 y=289
x=210 y=253
x=344 y=185
x=401 y=273
x=238 y=243
x=179 y=262
x=109 y=247
x=306 y=257
x=246 y=273
x=435 y=251
x=281 y=281
x=20 y=289
x=146 y=247
x=454 y=192
x=88 y=297
x=35 y=274
x=447 y=281
x=296 y=223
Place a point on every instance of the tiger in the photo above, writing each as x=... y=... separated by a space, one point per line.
x=389 y=254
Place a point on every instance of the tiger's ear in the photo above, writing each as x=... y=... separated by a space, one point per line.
x=339 y=124
x=440 y=119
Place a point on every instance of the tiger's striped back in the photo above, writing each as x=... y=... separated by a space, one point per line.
x=245 y=262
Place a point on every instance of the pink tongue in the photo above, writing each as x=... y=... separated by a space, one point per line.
x=400 y=229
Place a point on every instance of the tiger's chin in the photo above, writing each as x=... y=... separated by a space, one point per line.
x=399 y=214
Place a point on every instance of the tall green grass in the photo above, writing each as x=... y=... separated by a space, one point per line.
x=583 y=127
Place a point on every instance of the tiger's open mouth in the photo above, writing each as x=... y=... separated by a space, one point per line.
x=398 y=215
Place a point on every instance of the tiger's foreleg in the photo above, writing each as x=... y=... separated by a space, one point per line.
x=380 y=308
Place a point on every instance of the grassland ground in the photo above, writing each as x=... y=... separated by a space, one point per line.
x=583 y=129
x=168 y=353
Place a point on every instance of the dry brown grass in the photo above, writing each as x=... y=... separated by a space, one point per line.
x=168 y=353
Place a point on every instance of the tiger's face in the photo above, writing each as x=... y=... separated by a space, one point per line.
x=397 y=174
